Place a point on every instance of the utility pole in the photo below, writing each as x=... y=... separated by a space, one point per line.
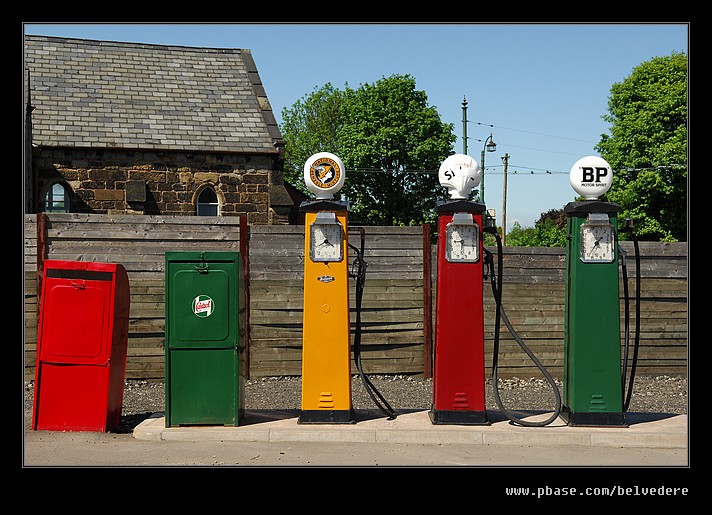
x=505 y=160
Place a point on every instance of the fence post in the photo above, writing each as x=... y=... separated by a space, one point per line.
x=244 y=249
x=427 y=306
x=41 y=255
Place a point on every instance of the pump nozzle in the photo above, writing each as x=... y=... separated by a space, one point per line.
x=488 y=221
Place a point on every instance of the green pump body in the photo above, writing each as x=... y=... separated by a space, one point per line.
x=593 y=393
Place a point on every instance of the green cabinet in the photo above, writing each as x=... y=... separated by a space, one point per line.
x=205 y=338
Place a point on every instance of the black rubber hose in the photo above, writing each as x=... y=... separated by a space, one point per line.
x=500 y=314
x=636 y=344
x=360 y=276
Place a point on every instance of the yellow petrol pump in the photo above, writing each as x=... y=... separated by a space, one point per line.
x=326 y=369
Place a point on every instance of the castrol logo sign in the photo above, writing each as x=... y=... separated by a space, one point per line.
x=202 y=306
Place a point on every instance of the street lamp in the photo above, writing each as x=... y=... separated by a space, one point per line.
x=490 y=146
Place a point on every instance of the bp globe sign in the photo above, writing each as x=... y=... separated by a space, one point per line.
x=591 y=177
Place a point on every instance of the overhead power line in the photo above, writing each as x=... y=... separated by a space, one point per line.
x=518 y=170
x=532 y=132
x=529 y=170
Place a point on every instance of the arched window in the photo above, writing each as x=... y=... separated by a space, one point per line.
x=207 y=203
x=57 y=199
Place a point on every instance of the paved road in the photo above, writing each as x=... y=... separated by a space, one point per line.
x=272 y=439
x=97 y=449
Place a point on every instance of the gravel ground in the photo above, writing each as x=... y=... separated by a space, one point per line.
x=660 y=394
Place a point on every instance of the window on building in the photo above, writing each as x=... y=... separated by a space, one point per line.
x=57 y=199
x=207 y=203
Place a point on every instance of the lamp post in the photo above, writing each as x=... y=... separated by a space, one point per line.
x=464 y=125
x=490 y=146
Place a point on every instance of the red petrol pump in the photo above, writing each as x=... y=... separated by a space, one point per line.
x=459 y=373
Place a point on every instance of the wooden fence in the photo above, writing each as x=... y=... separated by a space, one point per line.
x=533 y=298
x=139 y=244
x=392 y=313
x=398 y=304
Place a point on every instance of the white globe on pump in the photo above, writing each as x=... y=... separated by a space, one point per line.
x=459 y=173
x=591 y=177
x=324 y=174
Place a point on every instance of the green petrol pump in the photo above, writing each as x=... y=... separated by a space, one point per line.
x=593 y=385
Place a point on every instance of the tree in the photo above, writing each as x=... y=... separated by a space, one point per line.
x=548 y=231
x=545 y=233
x=310 y=126
x=647 y=148
x=390 y=140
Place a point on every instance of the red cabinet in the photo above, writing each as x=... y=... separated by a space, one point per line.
x=82 y=341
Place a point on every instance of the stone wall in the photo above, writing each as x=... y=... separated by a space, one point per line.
x=165 y=183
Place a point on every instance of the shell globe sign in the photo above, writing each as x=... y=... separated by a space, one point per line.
x=459 y=173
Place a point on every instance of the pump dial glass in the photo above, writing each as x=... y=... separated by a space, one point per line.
x=462 y=244
x=325 y=242
x=597 y=243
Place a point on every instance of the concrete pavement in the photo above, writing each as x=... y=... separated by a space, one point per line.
x=267 y=438
x=644 y=431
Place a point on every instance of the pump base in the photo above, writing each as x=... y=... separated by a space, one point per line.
x=326 y=417
x=592 y=419
x=468 y=418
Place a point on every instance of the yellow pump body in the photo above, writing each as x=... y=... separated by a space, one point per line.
x=326 y=368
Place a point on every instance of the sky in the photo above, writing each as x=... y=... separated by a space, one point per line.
x=541 y=90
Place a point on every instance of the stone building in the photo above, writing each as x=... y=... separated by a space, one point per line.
x=126 y=128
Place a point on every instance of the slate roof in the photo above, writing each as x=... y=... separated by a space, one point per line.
x=101 y=94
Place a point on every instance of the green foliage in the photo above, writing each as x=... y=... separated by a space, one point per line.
x=310 y=126
x=545 y=233
x=548 y=231
x=647 y=148
x=390 y=140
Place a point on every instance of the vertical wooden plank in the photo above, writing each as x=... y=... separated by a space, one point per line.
x=41 y=254
x=427 y=306
x=244 y=246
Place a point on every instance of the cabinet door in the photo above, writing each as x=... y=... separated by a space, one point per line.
x=201 y=306
x=76 y=317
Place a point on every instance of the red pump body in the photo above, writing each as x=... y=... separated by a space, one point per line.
x=82 y=341
x=459 y=369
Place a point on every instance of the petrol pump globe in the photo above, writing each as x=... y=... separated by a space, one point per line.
x=459 y=173
x=324 y=174
x=591 y=177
